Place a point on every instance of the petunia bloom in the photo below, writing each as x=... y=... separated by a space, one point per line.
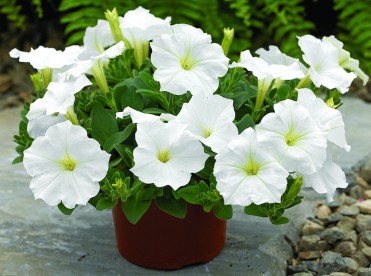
x=293 y=138
x=327 y=179
x=246 y=173
x=166 y=154
x=345 y=60
x=66 y=166
x=324 y=65
x=271 y=66
x=210 y=119
x=186 y=60
x=138 y=27
x=329 y=119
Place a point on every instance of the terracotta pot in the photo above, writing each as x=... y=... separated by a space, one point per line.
x=161 y=241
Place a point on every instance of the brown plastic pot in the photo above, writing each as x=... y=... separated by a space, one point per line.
x=161 y=241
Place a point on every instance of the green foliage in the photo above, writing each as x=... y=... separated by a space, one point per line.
x=23 y=140
x=14 y=13
x=355 y=21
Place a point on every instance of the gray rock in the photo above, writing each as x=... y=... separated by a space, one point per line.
x=365 y=171
x=346 y=224
x=308 y=243
x=314 y=266
x=364 y=206
x=311 y=228
x=347 y=200
x=363 y=222
x=334 y=204
x=351 y=265
x=291 y=269
x=346 y=248
x=323 y=246
x=366 y=237
x=349 y=210
x=332 y=219
x=351 y=236
x=363 y=271
x=361 y=259
x=309 y=255
x=340 y=274
x=302 y=274
x=356 y=191
x=332 y=262
x=332 y=235
x=323 y=212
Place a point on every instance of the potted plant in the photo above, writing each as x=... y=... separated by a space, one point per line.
x=154 y=121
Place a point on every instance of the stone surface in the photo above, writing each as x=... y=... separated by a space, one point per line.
x=362 y=271
x=346 y=224
x=349 y=210
x=323 y=212
x=364 y=206
x=363 y=222
x=366 y=237
x=332 y=235
x=346 y=248
x=311 y=228
x=351 y=265
x=309 y=255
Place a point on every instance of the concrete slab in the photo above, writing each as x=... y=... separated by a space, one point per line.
x=36 y=239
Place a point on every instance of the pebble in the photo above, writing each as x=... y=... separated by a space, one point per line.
x=363 y=223
x=364 y=206
x=332 y=219
x=291 y=269
x=334 y=204
x=351 y=265
x=340 y=274
x=361 y=182
x=347 y=200
x=367 y=252
x=361 y=259
x=333 y=262
x=309 y=255
x=367 y=194
x=332 y=235
x=323 y=212
x=351 y=236
x=323 y=246
x=366 y=237
x=349 y=210
x=308 y=243
x=346 y=248
x=311 y=228
x=346 y=224
x=356 y=192
x=302 y=274
x=313 y=265
x=365 y=171
x=363 y=271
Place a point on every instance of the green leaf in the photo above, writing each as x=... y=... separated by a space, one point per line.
x=245 y=123
x=131 y=98
x=172 y=206
x=64 y=209
x=280 y=220
x=134 y=208
x=126 y=154
x=17 y=160
x=223 y=211
x=103 y=124
x=105 y=203
x=189 y=194
x=118 y=138
x=255 y=210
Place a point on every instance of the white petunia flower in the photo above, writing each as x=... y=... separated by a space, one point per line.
x=324 y=65
x=47 y=60
x=293 y=138
x=210 y=119
x=186 y=60
x=329 y=119
x=327 y=179
x=271 y=66
x=246 y=173
x=138 y=27
x=56 y=104
x=66 y=166
x=137 y=116
x=345 y=60
x=95 y=52
x=166 y=154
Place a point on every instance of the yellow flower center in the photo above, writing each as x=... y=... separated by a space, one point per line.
x=251 y=168
x=68 y=164
x=207 y=132
x=163 y=156
x=186 y=62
